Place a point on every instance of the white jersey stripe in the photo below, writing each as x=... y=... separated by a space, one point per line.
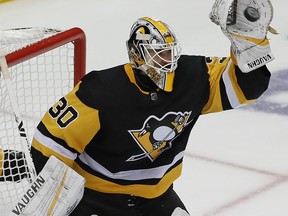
x=49 y=143
x=132 y=175
x=232 y=97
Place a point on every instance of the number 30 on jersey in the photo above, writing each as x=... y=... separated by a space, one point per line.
x=63 y=113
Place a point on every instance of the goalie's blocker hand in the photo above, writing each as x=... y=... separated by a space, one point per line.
x=246 y=24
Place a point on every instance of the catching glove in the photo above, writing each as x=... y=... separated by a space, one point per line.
x=246 y=24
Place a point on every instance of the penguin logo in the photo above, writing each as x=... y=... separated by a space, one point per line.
x=157 y=134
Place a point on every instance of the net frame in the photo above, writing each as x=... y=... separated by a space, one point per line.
x=74 y=34
x=35 y=45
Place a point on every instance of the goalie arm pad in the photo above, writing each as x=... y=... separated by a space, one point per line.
x=246 y=24
x=57 y=190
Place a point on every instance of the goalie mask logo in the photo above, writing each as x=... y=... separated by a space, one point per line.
x=157 y=135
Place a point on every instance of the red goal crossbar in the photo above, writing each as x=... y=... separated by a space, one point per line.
x=75 y=35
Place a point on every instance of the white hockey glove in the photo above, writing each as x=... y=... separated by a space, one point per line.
x=246 y=23
x=56 y=191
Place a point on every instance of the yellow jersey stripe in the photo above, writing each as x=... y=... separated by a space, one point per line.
x=242 y=100
x=230 y=83
x=131 y=175
x=214 y=103
x=146 y=191
x=46 y=151
x=51 y=144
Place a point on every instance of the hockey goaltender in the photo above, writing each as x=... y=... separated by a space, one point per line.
x=122 y=132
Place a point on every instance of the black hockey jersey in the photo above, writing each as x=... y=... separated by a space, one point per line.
x=126 y=140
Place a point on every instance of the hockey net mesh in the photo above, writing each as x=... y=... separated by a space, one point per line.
x=38 y=83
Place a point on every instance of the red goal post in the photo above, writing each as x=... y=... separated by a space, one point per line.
x=44 y=65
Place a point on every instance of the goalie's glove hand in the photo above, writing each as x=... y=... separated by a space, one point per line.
x=246 y=24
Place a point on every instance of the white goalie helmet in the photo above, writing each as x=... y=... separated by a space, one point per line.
x=153 y=49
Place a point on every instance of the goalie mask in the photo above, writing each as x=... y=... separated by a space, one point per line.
x=153 y=49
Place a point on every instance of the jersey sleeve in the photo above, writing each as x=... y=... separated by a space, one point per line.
x=65 y=130
x=230 y=87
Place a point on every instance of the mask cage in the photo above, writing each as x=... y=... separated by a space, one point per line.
x=162 y=57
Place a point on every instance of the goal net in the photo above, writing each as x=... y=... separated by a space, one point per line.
x=44 y=64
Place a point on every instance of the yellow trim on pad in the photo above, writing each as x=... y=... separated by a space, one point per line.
x=57 y=194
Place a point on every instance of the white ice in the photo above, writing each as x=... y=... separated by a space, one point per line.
x=237 y=161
